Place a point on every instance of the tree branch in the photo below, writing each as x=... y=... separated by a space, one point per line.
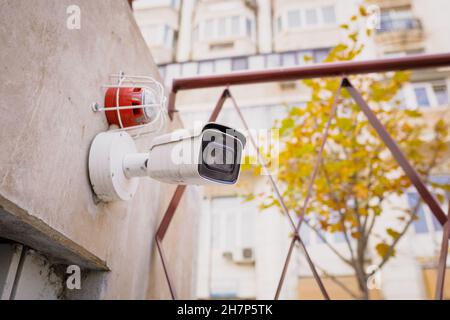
x=326 y=242
x=341 y=216
x=388 y=255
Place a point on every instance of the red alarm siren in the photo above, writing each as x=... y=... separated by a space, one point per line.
x=128 y=97
x=135 y=103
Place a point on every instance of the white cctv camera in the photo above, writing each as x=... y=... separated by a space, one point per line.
x=210 y=155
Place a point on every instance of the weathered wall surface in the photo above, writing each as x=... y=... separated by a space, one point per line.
x=50 y=75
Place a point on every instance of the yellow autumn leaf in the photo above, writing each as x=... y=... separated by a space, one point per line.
x=383 y=249
x=394 y=234
x=362 y=11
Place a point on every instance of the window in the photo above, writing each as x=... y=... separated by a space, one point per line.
x=175 y=3
x=225 y=27
x=223 y=66
x=230 y=231
x=168 y=36
x=248 y=27
x=422 y=98
x=206 y=67
x=426 y=221
x=420 y=225
x=273 y=60
x=239 y=64
x=289 y=59
x=189 y=69
x=215 y=229
x=304 y=57
x=221 y=27
x=398 y=19
x=294 y=20
x=235 y=25
x=441 y=93
x=328 y=15
x=431 y=94
x=320 y=55
x=233 y=223
x=256 y=62
x=209 y=29
x=311 y=17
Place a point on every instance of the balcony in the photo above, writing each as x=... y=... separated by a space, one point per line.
x=401 y=34
x=156 y=4
x=389 y=3
x=399 y=25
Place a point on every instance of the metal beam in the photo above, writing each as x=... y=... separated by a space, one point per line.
x=397 y=153
x=320 y=70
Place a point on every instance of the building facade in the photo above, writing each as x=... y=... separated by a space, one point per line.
x=241 y=250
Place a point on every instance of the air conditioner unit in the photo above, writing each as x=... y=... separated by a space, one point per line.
x=244 y=256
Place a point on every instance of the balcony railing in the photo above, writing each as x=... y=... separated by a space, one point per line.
x=396 y=25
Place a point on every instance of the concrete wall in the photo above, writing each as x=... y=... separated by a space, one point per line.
x=50 y=77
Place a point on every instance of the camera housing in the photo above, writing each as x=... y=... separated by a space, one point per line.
x=210 y=155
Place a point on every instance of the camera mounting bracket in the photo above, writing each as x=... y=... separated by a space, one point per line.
x=106 y=173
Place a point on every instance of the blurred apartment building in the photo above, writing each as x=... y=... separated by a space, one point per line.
x=241 y=250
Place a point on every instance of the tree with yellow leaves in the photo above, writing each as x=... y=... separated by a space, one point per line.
x=358 y=175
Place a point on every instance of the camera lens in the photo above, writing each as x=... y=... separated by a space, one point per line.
x=219 y=157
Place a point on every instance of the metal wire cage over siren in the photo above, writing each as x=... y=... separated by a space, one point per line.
x=135 y=104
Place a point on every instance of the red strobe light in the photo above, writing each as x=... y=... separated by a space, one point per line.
x=130 y=98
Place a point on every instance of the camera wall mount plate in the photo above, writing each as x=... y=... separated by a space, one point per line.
x=106 y=155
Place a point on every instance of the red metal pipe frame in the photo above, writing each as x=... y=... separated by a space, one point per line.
x=306 y=201
x=321 y=70
x=442 y=264
x=295 y=229
x=316 y=71
x=412 y=174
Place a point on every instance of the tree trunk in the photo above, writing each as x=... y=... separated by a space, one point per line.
x=362 y=284
x=360 y=270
